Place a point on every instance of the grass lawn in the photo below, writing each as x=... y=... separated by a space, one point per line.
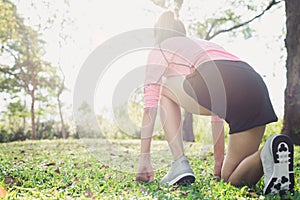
x=77 y=169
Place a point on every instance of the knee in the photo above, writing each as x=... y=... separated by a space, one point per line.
x=165 y=100
x=225 y=178
x=233 y=180
x=225 y=175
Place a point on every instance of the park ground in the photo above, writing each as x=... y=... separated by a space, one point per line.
x=78 y=169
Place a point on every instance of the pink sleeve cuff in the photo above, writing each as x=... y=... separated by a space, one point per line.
x=151 y=95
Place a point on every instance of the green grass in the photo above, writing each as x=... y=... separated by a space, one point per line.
x=59 y=169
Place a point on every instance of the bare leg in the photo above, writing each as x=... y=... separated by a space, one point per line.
x=171 y=118
x=242 y=163
x=173 y=95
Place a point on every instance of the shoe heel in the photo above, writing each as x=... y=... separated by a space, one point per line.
x=282 y=143
x=283 y=156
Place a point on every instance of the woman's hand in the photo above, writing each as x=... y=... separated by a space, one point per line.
x=218 y=168
x=145 y=171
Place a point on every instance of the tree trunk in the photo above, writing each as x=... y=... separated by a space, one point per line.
x=24 y=119
x=63 y=129
x=187 y=127
x=60 y=91
x=291 y=126
x=33 y=126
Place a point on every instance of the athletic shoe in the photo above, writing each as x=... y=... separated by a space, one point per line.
x=277 y=158
x=180 y=173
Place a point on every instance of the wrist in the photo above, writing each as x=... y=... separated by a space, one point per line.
x=145 y=155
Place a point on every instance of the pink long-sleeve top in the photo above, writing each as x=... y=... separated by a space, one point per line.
x=178 y=56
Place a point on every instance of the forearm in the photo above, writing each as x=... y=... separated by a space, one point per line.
x=218 y=140
x=148 y=122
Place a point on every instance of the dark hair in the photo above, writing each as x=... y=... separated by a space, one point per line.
x=167 y=26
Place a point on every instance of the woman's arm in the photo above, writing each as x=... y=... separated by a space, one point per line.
x=218 y=140
x=148 y=122
x=145 y=171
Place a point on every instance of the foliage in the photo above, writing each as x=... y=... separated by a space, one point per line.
x=45 y=130
x=125 y=122
x=64 y=169
x=227 y=17
x=48 y=130
x=9 y=22
x=87 y=127
x=15 y=114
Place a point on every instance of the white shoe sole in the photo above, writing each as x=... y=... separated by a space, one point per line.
x=282 y=179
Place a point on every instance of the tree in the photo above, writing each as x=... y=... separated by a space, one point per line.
x=26 y=70
x=230 y=21
x=10 y=24
x=291 y=125
x=58 y=19
x=32 y=72
x=61 y=81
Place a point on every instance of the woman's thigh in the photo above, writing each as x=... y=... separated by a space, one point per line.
x=240 y=146
x=173 y=89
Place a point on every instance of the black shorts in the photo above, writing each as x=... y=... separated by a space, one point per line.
x=233 y=91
